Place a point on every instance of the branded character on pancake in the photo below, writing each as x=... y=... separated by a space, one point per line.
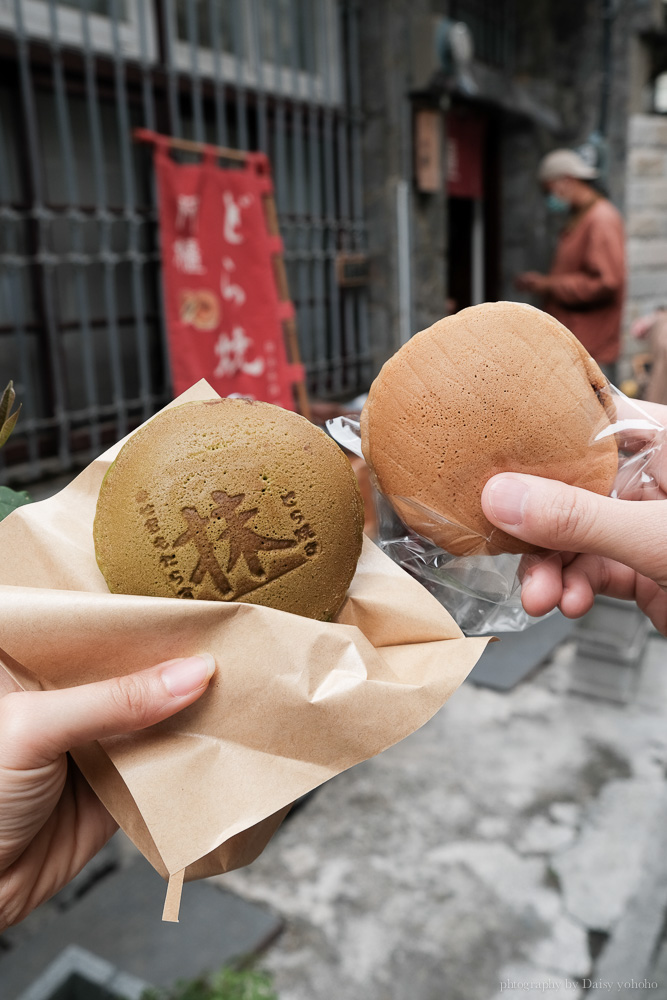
x=231 y=500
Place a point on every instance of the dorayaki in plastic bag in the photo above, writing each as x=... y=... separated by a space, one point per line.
x=499 y=387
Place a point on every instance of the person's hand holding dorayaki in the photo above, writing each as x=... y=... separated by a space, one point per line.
x=51 y=821
x=604 y=545
x=504 y=393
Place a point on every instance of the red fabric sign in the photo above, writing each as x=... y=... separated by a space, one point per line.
x=224 y=317
x=465 y=152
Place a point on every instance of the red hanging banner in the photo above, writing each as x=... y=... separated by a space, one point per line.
x=465 y=156
x=223 y=310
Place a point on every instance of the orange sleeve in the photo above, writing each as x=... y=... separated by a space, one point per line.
x=602 y=269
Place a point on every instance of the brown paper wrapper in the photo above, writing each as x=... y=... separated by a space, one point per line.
x=293 y=701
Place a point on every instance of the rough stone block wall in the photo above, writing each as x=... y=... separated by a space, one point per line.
x=646 y=218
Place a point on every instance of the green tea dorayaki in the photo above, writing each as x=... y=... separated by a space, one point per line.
x=499 y=387
x=231 y=500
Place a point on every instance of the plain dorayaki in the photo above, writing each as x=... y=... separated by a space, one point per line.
x=231 y=500
x=500 y=387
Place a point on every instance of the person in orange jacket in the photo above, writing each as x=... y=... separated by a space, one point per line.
x=585 y=288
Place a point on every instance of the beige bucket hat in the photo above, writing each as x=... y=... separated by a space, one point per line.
x=565 y=163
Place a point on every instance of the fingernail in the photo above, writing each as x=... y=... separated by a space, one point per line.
x=507 y=499
x=185 y=676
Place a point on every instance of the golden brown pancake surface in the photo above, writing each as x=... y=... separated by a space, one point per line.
x=501 y=387
x=231 y=500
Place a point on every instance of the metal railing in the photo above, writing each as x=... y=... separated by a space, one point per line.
x=81 y=317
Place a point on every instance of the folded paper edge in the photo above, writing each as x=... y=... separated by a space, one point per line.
x=172 y=899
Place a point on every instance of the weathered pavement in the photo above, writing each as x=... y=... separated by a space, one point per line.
x=516 y=839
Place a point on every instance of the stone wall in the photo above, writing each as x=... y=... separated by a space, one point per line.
x=561 y=45
x=646 y=217
x=559 y=70
x=386 y=82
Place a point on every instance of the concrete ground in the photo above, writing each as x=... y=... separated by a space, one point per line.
x=514 y=847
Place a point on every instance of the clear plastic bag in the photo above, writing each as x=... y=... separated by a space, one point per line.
x=483 y=592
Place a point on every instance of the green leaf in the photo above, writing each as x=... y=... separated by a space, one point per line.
x=8 y=426
x=246 y=984
x=7 y=401
x=10 y=500
x=228 y=984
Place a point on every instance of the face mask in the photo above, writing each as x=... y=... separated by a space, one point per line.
x=557 y=205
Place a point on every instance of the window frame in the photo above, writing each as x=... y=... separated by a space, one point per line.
x=324 y=87
x=37 y=24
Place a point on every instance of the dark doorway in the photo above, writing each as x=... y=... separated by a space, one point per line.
x=473 y=206
x=459 y=243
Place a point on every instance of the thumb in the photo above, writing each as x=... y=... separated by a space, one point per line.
x=568 y=519
x=37 y=726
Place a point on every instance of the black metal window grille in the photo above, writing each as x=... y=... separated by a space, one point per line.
x=492 y=24
x=81 y=319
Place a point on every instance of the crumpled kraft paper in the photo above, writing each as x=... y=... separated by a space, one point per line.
x=293 y=701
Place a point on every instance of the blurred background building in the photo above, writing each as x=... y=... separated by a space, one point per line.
x=404 y=137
